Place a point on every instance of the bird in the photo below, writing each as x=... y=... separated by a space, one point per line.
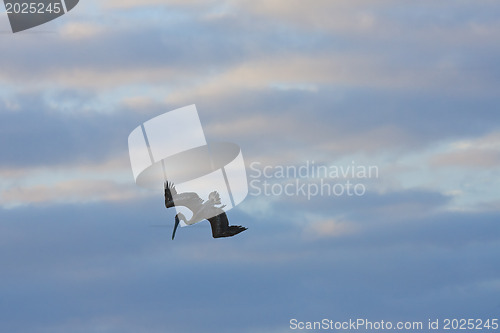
x=201 y=211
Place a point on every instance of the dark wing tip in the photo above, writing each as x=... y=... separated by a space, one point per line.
x=169 y=186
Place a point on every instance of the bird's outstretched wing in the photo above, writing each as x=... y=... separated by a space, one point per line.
x=190 y=200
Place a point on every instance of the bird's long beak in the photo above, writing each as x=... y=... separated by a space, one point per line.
x=175 y=226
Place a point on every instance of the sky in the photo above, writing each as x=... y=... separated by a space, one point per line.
x=409 y=88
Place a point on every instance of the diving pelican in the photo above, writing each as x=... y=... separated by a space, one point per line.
x=201 y=211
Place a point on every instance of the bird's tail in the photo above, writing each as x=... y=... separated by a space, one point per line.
x=236 y=229
x=231 y=231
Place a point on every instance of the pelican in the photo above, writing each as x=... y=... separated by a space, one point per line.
x=201 y=211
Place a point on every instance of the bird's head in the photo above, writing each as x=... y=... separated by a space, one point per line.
x=178 y=217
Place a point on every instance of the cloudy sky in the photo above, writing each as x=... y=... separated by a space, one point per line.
x=410 y=87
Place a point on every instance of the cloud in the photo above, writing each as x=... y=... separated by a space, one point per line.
x=339 y=16
x=469 y=158
x=268 y=55
x=133 y=4
x=81 y=30
x=104 y=255
x=329 y=228
x=482 y=152
x=80 y=191
x=411 y=88
x=42 y=135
